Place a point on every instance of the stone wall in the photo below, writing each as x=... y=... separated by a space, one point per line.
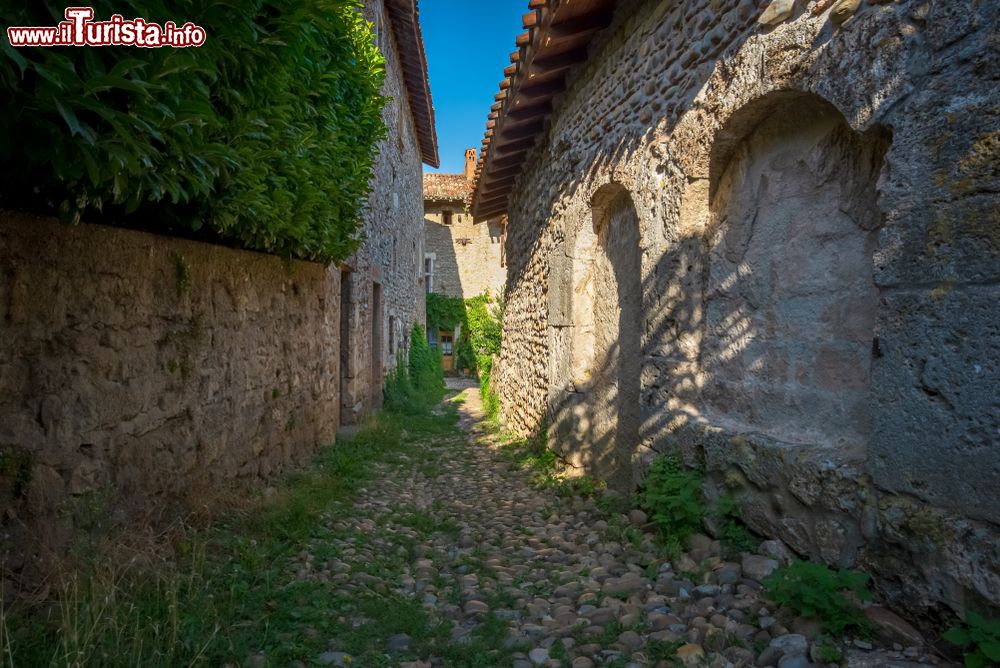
x=138 y=366
x=467 y=256
x=820 y=266
x=392 y=255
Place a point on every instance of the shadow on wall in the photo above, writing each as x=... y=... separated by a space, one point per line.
x=761 y=316
x=440 y=240
x=594 y=316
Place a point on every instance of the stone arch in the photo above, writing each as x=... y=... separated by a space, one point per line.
x=596 y=316
x=788 y=290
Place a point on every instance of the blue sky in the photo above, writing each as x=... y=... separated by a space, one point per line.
x=468 y=44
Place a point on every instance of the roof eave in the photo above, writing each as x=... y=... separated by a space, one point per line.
x=556 y=40
x=404 y=16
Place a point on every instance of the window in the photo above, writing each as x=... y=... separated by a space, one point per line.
x=447 y=344
x=429 y=272
x=432 y=339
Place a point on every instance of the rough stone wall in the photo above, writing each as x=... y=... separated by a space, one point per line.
x=467 y=255
x=392 y=255
x=819 y=294
x=146 y=366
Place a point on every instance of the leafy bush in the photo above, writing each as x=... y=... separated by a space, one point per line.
x=980 y=639
x=417 y=384
x=426 y=374
x=264 y=137
x=672 y=496
x=815 y=590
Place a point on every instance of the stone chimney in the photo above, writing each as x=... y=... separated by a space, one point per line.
x=470 y=164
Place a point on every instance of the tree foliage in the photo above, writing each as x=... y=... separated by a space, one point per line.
x=263 y=137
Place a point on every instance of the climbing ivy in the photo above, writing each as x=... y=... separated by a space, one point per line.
x=264 y=137
x=485 y=324
x=480 y=318
x=444 y=312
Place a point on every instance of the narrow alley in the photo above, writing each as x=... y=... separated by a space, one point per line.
x=568 y=333
x=452 y=556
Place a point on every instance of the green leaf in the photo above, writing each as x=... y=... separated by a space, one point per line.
x=19 y=60
x=991 y=649
x=69 y=117
x=957 y=637
x=110 y=82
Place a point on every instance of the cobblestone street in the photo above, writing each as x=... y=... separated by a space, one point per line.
x=525 y=577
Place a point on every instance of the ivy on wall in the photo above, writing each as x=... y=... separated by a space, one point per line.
x=264 y=137
x=444 y=312
x=480 y=318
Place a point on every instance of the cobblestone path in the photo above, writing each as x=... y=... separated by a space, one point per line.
x=454 y=558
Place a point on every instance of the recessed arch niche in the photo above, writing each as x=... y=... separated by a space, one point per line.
x=789 y=295
x=595 y=318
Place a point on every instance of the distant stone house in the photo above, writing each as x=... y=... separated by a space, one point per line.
x=462 y=257
x=382 y=284
x=766 y=243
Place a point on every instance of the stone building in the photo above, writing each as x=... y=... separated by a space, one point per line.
x=136 y=366
x=382 y=285
x=769 y=243
x=463 y=257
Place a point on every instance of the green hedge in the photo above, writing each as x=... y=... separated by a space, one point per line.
x=264 y=137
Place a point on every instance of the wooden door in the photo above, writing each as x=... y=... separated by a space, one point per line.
x=447 y=340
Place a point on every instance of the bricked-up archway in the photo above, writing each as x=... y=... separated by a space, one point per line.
x=596 y=320
x=790 y=300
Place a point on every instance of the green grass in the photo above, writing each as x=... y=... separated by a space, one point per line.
x=534 y=455
x=230 y=591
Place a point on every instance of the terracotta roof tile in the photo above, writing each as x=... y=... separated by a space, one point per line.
x=446 y=187
x=557 y=38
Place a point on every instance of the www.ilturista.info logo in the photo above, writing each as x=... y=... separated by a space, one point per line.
x=80 y=29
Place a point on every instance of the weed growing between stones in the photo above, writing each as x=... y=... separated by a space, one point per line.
x=815 y=590
x=534 y=454
x=828 y=651
x=979 y=639
x=672 y=496
x=735 y=536
x=182 y=273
